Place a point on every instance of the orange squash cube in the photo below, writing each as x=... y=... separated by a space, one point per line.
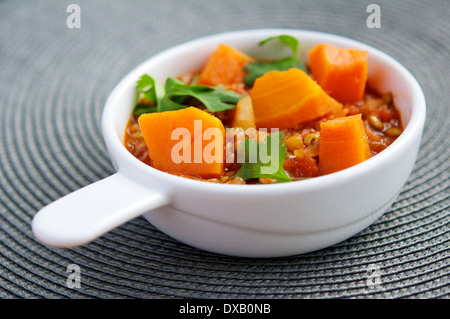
x=343 y=143
x=187 y=141
x=224 y=67
x=342 y=73
x=284 y=99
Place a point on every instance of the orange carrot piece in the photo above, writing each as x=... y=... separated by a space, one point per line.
x=342 y=73
x=177 y=142
x=284 y=99
x=225 y=67
x=343 y=143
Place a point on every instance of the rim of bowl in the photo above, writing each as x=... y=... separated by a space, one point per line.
x=415 y=124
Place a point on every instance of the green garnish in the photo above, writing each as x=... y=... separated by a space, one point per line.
x=288 y=40
x=175 y=93
x=215 y=99
x=151 y=91
x=142 y=108
x=264 y=159
x=257 y=69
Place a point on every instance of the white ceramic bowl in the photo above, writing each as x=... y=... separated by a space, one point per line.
x=241 y=220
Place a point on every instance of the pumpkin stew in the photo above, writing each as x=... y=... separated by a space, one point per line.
x=240 y=120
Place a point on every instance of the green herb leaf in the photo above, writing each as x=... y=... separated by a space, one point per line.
x=151 y=90
x=264 y=159
x=288 y=40
x=257 y=69
x=215 y=99
x=175 y=93
x=141 y=108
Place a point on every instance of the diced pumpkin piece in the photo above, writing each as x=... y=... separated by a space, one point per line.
x=244 y=116
x=343 y=143
x=224 y=67
x=284 y=99
x=187 y=141
x=342 y=73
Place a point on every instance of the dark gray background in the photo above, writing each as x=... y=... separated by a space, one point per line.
x=53 y=85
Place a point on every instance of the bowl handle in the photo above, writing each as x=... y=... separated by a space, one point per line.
x=93 y=210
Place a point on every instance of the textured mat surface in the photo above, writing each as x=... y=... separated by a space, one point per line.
x=53 y=85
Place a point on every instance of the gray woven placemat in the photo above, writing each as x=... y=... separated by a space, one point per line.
x=53 y=84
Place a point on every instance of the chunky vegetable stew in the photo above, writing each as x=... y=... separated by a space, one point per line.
x=244 y=121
